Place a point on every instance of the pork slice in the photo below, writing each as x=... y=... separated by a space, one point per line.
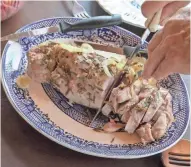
x=144 y=132
x=137 y=114
x=113 y=99
x=133 y=91
x=166 y=108
x=117 y=96
x=127 y=106
x=123 y=95
x=169 y=110
x=144 y=98
x=123 y=99
x=145 y=92
x=154 y=106
x=125 y=117
x=161 y=109
x=163 y=118
x=160 y=126
x=134 y=120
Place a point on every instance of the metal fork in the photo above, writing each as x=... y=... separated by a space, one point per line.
x=178 y=155
x=179 y=159
x=79 y=11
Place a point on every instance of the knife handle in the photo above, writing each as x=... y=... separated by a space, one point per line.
x=91 y=23
x=153 y=22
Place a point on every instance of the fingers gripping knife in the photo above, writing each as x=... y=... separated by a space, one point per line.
x=152 y=26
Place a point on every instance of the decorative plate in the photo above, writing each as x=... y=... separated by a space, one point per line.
x=49 y=112
x=130 y=10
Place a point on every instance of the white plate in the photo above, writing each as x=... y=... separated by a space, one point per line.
x=129 y=10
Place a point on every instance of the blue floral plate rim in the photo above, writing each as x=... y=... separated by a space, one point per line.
x=65 y=144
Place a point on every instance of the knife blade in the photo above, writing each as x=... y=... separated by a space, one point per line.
x=63 y=27
x=151 y=23
x=125 y=50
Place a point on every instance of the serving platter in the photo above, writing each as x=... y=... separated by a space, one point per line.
x=53 y=115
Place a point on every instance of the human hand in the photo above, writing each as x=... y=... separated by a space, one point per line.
x=169 y=50
x=9 y=8
x=149 y=8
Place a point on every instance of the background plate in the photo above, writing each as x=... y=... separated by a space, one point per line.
x=130 y=10
x=49 y=112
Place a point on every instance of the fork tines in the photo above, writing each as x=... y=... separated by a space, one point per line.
x=79 y=11
x=179 y=159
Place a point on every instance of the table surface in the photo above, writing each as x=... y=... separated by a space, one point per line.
x=21 y=145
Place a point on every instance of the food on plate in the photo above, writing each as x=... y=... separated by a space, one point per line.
x=147 y=110
x=145 y=133
x=23 y=81
x=83 y=73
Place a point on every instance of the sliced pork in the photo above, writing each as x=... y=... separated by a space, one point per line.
x=165 y=108
x=143 y=103
x=160 y=127
x=123 y=99
x=137 y=114
x=154 y=106
x=144 y=132
x=163 y=118
x=113 y=99
x=123 y=95
x=125 y=117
